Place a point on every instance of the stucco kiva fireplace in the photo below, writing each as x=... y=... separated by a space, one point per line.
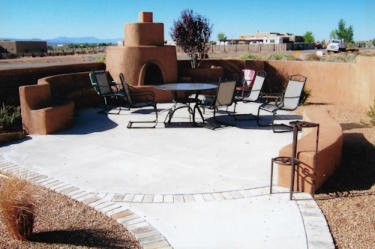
x=144 y=59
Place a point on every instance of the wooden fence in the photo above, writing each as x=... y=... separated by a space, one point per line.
x=255 y=48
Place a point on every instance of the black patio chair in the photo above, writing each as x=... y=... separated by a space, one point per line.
x=284 y=101
x=131 y=96
x=103 y=87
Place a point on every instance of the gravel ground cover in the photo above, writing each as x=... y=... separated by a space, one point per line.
x=347 y=199
x=61 y=222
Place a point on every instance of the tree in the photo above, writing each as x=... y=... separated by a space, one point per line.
x=308 y=37
x=342 y=32
x=333 y=34
x=192 y=32
x=373 y=42
x=221 y=36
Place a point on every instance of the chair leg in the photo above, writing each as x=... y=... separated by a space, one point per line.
x=271 y=175
x=258 y=120
x=156 y=114
x=196 y=107
x=273 y=125
x=282 y=125
x=130 y=123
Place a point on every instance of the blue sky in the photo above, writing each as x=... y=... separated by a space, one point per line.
x=106 y=19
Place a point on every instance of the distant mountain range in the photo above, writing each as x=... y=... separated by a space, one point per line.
x=65 y=40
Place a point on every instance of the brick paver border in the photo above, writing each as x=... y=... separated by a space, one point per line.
x=143 y=231
x=317 y=232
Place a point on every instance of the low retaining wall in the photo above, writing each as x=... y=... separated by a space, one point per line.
x=339 y=83
x=74 y=86
x=330 y=82
x=12 y=79
x=329 y=153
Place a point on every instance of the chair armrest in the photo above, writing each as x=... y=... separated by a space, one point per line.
x=270 y=97
x=147 y=94
x=113 y=83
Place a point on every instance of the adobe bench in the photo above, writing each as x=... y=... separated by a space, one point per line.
x=329 y=153
x=49 y=106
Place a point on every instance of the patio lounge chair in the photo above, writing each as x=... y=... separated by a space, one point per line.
x=224 y=97
x=150 y=101
x=284 y=101
x=103 y=87
x=255 y=93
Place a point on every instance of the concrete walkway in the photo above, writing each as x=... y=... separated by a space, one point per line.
x=200 y=188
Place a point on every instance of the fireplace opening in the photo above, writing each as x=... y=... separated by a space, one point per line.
x=153 y=75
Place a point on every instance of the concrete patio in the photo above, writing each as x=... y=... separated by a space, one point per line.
x=200 y=188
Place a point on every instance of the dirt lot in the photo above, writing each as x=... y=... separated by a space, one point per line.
x=51 y=59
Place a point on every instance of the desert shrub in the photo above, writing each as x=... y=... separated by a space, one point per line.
x=371 y=114
x=101 y=58
x=367 y=53
x=282 y=56
x=16 y=207
x=345 y=58
x=312 y=57
x=10 y=117
x=305 y=95
x=250 y=57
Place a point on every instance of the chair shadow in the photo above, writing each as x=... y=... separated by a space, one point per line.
x=247 y=121
x=357 y=168
x=316 y=103
x=81 y=237
x=145 y=111
x=180 y=125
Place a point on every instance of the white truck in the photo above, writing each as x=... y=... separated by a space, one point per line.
x=336 y=45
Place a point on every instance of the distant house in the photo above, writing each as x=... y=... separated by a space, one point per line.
x=270 y=38
x=23 y=47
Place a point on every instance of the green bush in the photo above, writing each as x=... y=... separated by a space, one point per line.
x=371 y=114
x=282 y=56
x=306 y=93
x=342 y=58
x=250 y=57
x=101 y=58
x=10 y=117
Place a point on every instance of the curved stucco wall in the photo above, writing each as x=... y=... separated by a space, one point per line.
x=144 y=34
x=329 y=153
x=40 y=113
x=340 y=83
x=350 y=84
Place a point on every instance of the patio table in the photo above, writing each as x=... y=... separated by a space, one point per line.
x=194 y=88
